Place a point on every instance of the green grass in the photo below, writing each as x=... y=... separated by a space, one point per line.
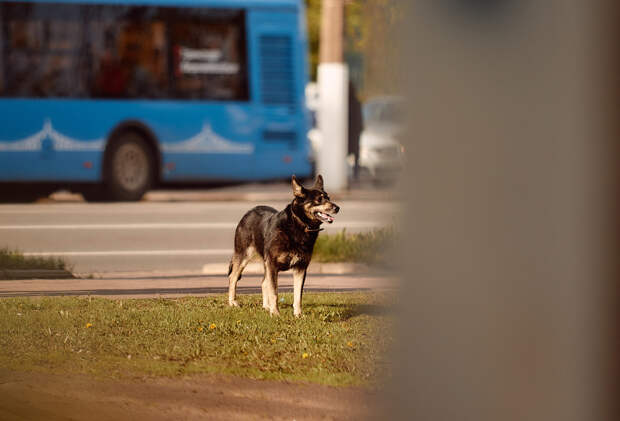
x=340 y=340
x=13 y=259
x=368 y=247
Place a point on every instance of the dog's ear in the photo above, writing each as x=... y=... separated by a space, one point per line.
x=298 y=189
x=318 y=184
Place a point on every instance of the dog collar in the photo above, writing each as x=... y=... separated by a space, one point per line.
x=306 y=227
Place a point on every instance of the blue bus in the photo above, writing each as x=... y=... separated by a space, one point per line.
x=110 y=98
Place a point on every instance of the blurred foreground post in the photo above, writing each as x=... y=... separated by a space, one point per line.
x=333 y=95
x=510 y=284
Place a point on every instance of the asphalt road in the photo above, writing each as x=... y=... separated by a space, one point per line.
x=150 y=236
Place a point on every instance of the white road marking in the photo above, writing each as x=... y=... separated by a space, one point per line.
x=165 y=225
x=199 y=252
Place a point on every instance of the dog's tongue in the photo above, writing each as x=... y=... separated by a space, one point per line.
x=326 y=217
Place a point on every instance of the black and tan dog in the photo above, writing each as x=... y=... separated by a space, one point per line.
x=284 y=240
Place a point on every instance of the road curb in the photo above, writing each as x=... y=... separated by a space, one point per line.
x=225 y=195
x=254 y=268
x=16 y=274
x=344 y=268
x=185 y=196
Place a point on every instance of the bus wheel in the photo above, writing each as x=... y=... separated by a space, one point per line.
x=129 y=169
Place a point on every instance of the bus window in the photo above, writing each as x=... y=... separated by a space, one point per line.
x=116 y=51
x=1 y=53
x=209 y=56
x=129 y=53
x=44 y=51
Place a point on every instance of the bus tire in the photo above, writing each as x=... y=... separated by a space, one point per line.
x=129 y=168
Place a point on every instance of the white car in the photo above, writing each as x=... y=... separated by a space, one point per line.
x=381 y=152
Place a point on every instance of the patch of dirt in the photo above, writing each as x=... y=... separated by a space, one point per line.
x=51 y=397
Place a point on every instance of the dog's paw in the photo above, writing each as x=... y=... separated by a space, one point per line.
x=233 y=303
x=297 y=314
x=274 y=312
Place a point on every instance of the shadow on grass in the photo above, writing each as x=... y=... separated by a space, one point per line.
x=344 y=312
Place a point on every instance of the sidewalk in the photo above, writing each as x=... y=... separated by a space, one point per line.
x=171 y=285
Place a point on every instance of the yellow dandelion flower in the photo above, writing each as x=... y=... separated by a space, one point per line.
x=304 y=355
x=200 y=329
x=238 y=322
x=212 y=326
x=89 y=325
x=273 y=341
x=350 y=344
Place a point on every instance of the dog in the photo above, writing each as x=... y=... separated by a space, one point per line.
x=284 y=240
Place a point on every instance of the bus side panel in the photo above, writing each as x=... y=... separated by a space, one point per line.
x=207 y=141
x=64 y=140
x=50 y=140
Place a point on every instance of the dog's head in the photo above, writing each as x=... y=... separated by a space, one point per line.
x=313 y=203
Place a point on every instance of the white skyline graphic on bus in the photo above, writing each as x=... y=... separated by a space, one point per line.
x=205 y=141
x=60 y=142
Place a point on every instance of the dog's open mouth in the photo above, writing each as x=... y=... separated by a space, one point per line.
x=325 y=217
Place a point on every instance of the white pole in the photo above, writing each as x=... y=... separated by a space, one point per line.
x=332 y=113
x=332 y=116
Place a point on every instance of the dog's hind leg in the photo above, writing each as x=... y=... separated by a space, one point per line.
x=234 y=274
x=237 y=264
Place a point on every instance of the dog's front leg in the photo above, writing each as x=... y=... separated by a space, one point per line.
x=271 y=281
x=299 y=278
